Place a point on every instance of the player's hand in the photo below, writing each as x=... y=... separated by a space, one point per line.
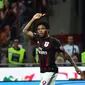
x=77 y=70
x=82 y=74
x=38 y=16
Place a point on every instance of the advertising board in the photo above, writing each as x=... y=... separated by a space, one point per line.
x=33 y=73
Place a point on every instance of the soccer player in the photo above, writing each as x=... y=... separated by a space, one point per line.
x=47 y=48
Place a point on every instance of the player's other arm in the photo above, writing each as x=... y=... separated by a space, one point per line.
x=67 y=57
x=27 y=28
x=71 y=61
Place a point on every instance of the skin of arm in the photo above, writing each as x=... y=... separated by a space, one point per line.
x=82 y=76
x=67 y=57
x=27 y=28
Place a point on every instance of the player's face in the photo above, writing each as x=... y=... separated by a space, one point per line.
x=41 y=29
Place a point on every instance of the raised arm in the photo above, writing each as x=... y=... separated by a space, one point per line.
x=27 y=30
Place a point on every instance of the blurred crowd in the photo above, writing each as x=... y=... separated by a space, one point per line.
x=13 y=16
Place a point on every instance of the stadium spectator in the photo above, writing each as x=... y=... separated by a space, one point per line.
x=22 y=16
x=26 y=11
x=60 y=60
x=83 y=58
x=8 y=16
x=4 y=43
x=75 y=58
x=4 y=13
x=16 y=56
x=42 y=6
x=5 y=36
x=71 y=48
x=12 y=14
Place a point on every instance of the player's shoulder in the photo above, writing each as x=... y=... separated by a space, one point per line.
x=55 y=39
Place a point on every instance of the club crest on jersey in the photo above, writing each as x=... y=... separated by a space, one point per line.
x=46 y=44
x=37 y=41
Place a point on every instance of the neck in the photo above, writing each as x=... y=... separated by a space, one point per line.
x=46 y=36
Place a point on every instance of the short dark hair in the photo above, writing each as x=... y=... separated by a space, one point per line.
x=45 y=23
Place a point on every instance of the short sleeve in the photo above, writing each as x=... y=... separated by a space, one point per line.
x=56 y=43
